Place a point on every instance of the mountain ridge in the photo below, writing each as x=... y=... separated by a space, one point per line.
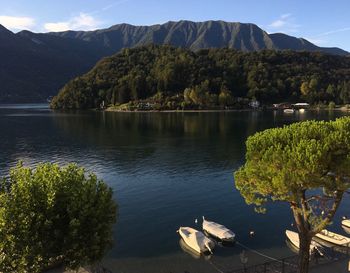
x=232 y=32
x=36 y=65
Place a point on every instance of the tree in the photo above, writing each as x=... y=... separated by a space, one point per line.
x=306 y=164
x=225 y=97
x=314 y=85
x=331 y=91
x=345 y=92
x=53 y=215
x=199 y=93
x=304 y=89
x=187 y=96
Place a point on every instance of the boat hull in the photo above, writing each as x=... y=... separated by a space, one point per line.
x=346 y=223
x=331 y=239
x=291 y=246
x=226 y=241
x=186 y=248
x=219 y=232
x=346 y=229
x=293 y=238
x=196 y=240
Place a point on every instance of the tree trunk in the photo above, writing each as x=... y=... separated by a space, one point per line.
x=304 y=253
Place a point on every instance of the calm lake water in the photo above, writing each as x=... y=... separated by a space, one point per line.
x=166 y=170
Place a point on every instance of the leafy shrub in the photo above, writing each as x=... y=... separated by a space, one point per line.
x=51 y=215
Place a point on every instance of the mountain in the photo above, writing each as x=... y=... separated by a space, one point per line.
x=195 y=36
x=35 y=66
x=163 y=77
x=283 y=41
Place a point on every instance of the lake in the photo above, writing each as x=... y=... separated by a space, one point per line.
x=166 y=170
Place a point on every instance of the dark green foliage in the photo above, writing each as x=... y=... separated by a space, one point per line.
x=51 y=216
x=209 y=78
x=306 y=164
x=35 y=65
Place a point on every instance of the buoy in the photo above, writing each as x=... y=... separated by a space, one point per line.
x=344 y=217
x=252 y=233
x=196 y=221
x=292 y=224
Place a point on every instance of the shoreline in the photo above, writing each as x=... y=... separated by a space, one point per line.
x=341 y=109
x=180 y=111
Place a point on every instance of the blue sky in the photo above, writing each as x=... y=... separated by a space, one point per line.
x=323 y=22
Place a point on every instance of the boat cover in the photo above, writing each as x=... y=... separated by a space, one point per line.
x=333 y=237
x=217 y=230
x=196 y=239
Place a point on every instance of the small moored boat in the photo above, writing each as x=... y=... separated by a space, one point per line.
x=218 y=231
x=333 y=238
x=288 y=111
x=293 y=237
x=196 y=240
x=346 y=223
x=189 y=250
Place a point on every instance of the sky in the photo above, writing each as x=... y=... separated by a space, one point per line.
x=323 y=22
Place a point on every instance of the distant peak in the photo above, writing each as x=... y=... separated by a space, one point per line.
x=4 y=29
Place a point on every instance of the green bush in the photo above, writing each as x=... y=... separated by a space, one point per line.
x=53 y=215
x=331 y=105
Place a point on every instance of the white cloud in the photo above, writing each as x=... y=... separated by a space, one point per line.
x=56 y=27
x=277 y=24
x=114 y=4
x=82 y=22
x=333 y=31
x=323 y=39
x=286 y=15
x=17 y=22
x=285 y=23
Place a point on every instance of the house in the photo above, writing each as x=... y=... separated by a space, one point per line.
x=282 y=105
x=301 y=105
x=254 y=104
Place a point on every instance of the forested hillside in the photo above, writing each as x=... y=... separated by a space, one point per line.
x=35 y=65
x=166 y=77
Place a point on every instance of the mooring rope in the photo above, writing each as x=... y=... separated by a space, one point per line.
x=215 y=266
x=263 y=255
x=257 y=252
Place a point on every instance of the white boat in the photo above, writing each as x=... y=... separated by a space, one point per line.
x=288 y=111
x=346 y=223
x=189 y=250
x=293 y=237
x=196 y=240
x=346 y=229
x=218 y=231
x=333 y=238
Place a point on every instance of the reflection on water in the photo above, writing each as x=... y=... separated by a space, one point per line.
x=166 y=169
